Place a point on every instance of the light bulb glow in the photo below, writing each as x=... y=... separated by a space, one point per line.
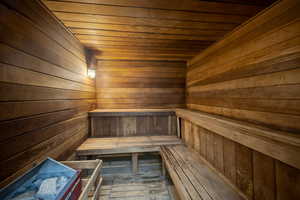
x=91 y=73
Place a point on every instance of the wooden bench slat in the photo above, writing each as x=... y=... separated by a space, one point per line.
x=91 y=181
x=213 y=184
x=180 y=186
x=139 y=144
x=202 y=178
x=202 y=193
x=191 y=174
x=81 y=164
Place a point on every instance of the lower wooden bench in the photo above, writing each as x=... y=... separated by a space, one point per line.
x=124 y=145
x=192 y=178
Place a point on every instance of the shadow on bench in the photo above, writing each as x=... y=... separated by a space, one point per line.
x=192 y=178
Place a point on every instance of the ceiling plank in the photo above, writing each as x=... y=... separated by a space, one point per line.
x=134 y=48
x=140 y=44
x=152 y=30
x=165 y=57
x=64 y=16
x=97 y=9
x=142 y=35
x=143 y=29
x=184 y=5
x=163 y=41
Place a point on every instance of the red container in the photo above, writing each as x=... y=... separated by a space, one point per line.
x=74 y=191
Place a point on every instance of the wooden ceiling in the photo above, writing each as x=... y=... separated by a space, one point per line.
x=152 y=29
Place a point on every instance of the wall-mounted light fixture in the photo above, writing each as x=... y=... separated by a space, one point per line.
x=91 y=63
x=91 y=73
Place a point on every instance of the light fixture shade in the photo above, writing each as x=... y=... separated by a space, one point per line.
x=91 y=73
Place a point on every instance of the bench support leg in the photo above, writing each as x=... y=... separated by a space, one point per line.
x=163 y=168
x=135 y=163
x=178 y=127
x=92 y=127
x=82 y=157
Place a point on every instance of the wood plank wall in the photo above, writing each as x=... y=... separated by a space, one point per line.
x=124 y=126
x=44 y=91
x=140 y=84
x=253 y=74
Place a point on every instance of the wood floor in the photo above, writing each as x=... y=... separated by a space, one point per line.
x=120 y=184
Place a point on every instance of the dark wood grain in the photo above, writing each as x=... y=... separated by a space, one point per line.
x=188 y=138
x=229 y=159
x=114 y=125
x=140 y=84
x=210 y=150
x=287 y=181
x=253 y=73
x=131 y=112
x=196 y=137
x=218 y=153
x=113 y=28
x=45 y=93
x=193 y=174
x=203 y=142
x=256 y=175
x=263 y=177
x=244 y=176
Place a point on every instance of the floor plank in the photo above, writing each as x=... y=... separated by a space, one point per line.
x=120 y=183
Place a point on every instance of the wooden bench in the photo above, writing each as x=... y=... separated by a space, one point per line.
x=193 y=178
x=125 y=145
x=119 y=145
x=133 y=122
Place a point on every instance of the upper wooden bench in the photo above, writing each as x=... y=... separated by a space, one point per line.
x=193 y=178
x=132 y=122
x=130 y=112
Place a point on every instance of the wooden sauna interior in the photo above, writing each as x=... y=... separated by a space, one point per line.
x=209 y=89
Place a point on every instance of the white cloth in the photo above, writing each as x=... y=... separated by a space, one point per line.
x=47 y=190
